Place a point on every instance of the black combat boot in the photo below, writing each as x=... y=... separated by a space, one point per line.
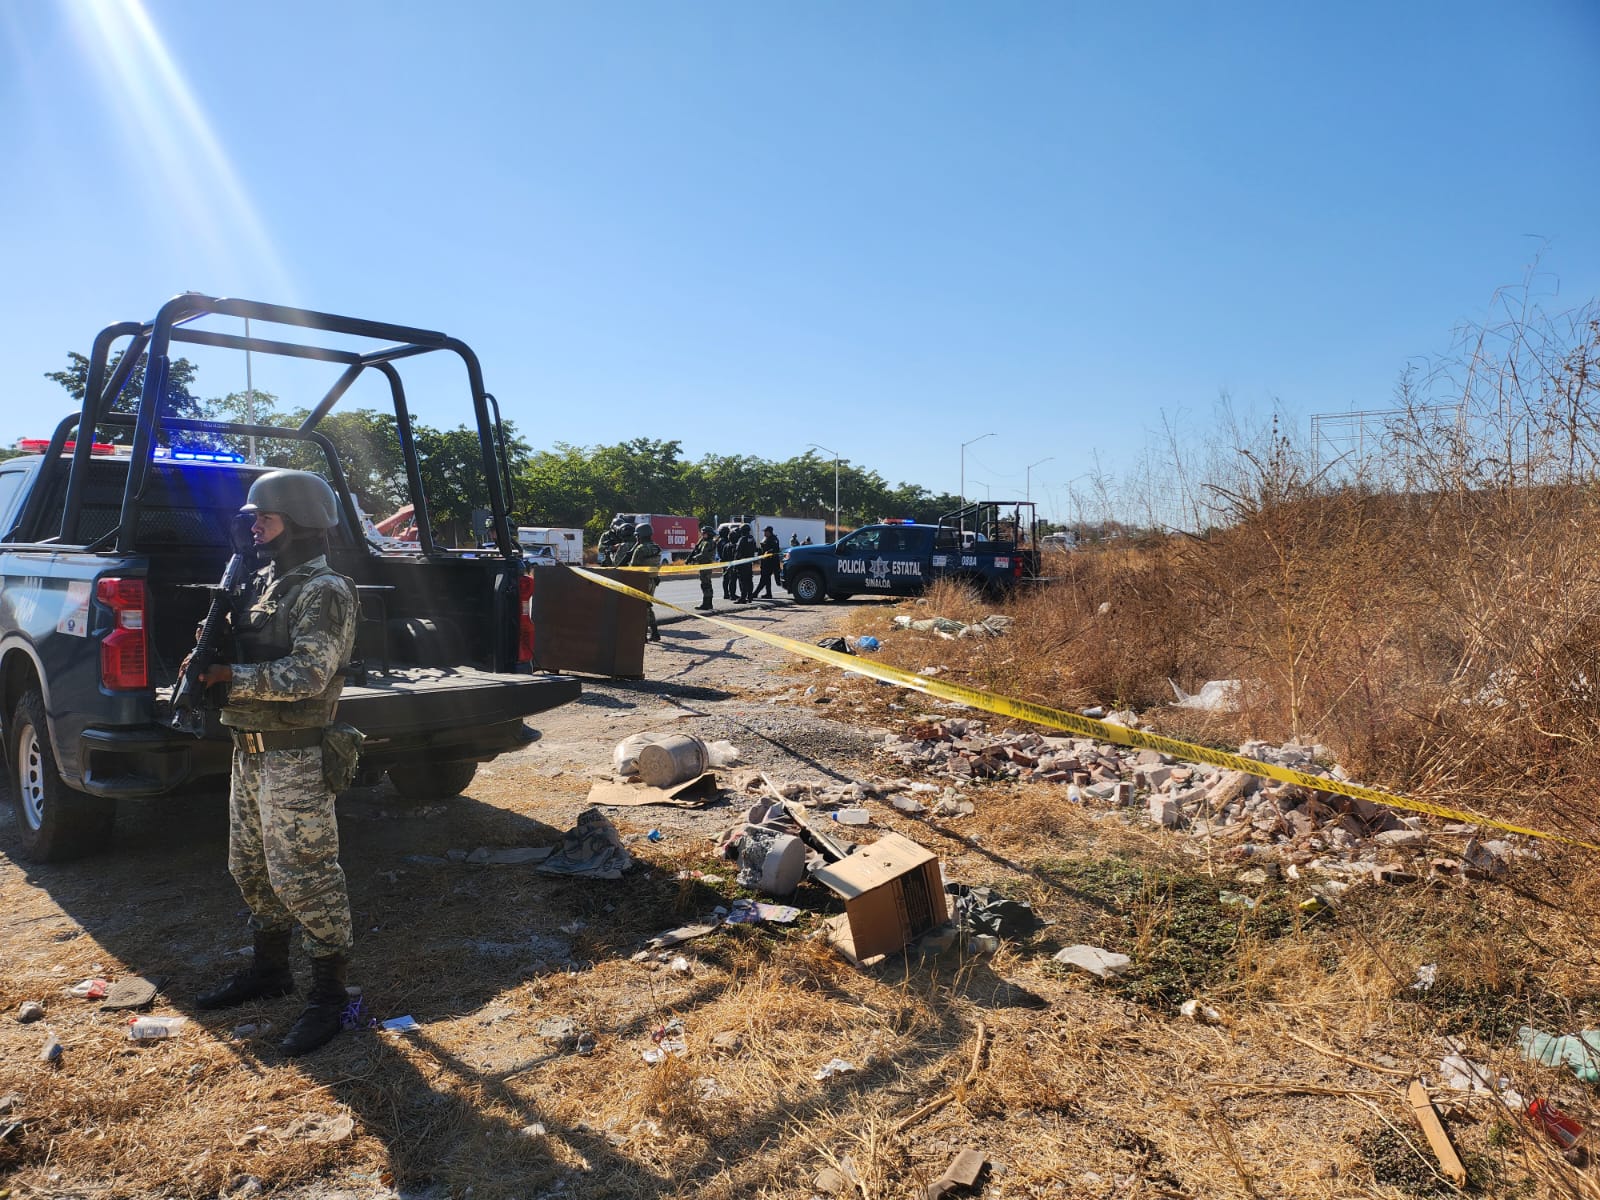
x=268 y=975
x=325 y=1005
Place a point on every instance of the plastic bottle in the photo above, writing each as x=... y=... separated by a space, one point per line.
x=853 y=816
x=141 y=1029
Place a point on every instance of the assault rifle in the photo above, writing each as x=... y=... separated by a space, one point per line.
x=188 y=692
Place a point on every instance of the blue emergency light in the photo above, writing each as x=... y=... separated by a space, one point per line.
x=179 y=455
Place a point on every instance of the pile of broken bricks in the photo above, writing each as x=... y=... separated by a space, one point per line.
x=1220 y=810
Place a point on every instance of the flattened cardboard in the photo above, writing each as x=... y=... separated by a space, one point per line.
x=893 y=892
x=692 y=793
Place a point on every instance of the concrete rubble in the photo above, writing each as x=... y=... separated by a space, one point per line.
x=1219 y=811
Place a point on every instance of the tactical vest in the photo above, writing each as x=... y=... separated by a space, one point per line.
x=262 y=633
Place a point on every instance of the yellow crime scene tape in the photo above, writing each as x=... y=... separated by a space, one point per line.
x=696 y=568
x=1081 y=726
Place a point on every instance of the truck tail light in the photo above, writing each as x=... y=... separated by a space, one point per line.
x=123 y=658
x=525 y=617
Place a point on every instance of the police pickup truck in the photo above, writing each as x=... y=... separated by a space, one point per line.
x=109 y=557
x=901 y=558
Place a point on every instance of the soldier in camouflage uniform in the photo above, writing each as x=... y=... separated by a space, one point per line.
x=607 y=540
x=705 y=551
x=292 y=634
x=646 y=553
x=622 y=548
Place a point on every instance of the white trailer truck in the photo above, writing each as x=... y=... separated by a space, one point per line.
x=566 y=544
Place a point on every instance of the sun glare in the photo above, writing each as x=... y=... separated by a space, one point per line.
x=185 y=165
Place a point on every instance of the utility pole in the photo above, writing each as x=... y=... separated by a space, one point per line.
x=835 y=453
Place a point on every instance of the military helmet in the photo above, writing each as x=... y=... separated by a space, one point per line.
x=297 y=496
x=643 y=532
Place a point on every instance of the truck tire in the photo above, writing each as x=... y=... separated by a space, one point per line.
x=54 y=822
x=807 y=587
x=433 y=780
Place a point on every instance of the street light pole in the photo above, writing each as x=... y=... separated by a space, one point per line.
x=964 y=446
x=835 y=453
x=1027 y=485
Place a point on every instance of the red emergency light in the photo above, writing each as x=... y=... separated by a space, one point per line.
x=40 y=445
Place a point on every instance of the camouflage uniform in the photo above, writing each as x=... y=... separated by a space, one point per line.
x=705 y=552
x=646 y=553
x=283 y=841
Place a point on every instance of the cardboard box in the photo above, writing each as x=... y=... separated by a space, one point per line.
x=893 y=892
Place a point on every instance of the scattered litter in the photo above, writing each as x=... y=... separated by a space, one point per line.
x=729 y=1041
x=723 y=754
x=153 y=1029
x=749 y=912
x=679 y=965
x=834 y=1066
x=909 y=805
x=251 y=1029
x=625 y=758
x=50 y=1052
x=1200 y=1014
x=693 y=793
x=1462 y=1074
x=982 y=910
x=949 y=807
x=508 y=856
x=893 y=893
x=674 y=937
x=963 y=1172
x=10 y=1102
x=867 y=644
x=585 y=1044
x=1427 y=976
x=1579 y=1052
x=133 y=992
x=532 y=1131
x=1104 y=964
x=852 y=816
x=669 y=1040
x=1561 y=1129
x=89 y=989
x=1236 y=900
x=29 y=1011
x=655 y=835
x=837 y=644
x=704 y=877
x=590 y=849
x=772 y=861
x=1215 y=695
x=403 y=1024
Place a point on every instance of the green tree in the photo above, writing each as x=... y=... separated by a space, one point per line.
x=177 y=401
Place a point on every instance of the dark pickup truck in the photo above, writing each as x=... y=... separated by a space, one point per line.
x=108 y=559
x=901 y=558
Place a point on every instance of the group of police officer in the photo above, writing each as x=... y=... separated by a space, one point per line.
x=626 y=543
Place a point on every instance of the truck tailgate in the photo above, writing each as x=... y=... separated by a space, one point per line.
x=437 y=699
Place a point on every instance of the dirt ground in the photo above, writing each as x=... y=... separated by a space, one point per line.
x=1068 y=1086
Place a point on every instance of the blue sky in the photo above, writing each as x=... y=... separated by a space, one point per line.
x=886 y=228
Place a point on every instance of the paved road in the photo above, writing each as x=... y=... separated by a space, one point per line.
x=685 y=592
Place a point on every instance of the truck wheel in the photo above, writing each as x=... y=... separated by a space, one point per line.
x=808 y=587
x=55 y=823
x=432 y=781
